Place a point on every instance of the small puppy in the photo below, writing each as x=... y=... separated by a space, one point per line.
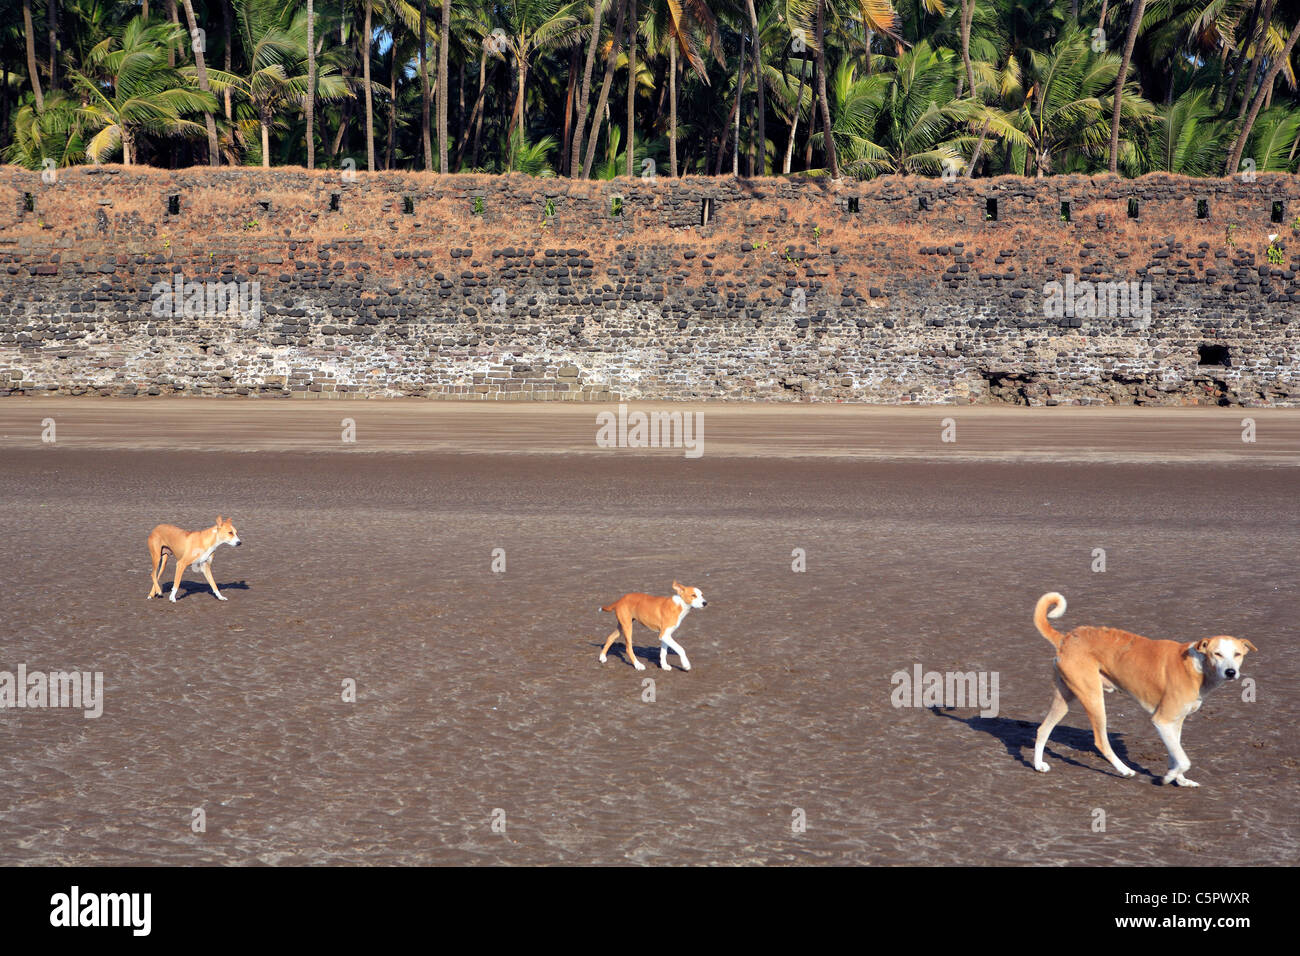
x=662 y=614
x=190 y=548
x=1167 y=678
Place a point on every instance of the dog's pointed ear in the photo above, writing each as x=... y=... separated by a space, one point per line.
x=1248 y=644
x=1203 y=645
x=676 y=586
x=220 y=519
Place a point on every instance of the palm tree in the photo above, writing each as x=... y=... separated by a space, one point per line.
x=274 y=40
x=1065 y=101
x=584 y=91
x=674 y=26
x=631 y=84
x=53 y=132
x=1135 y=24
x=1265 y=88
x=820 y=36
x=611 y=61
x=310 y=106
x=33 y=76
x=1189 y=138
x=908 y=119
x=530 y=26
x=444 y=91
x=214 y=152
x=134 y=92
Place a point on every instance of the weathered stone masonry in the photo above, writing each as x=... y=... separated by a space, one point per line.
x=897 y=290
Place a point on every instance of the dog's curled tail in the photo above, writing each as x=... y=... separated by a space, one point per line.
x=608 y=607
x=1041 y=614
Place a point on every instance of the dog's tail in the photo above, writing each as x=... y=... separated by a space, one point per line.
x=609 y=607
x=1041 y=614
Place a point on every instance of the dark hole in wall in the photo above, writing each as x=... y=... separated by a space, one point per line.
x=923 y=203
x=616 y=206
x=706 y=211
x=1065 y=212
x=990 y=209
x=408 y=206
x=1214 y=355
x=334 y=202
x=29 y=202
x=174 y=205
x=1133 y=209
x=853 y=204
x=1279 y=210
x=265 y=204
x=1202 y=209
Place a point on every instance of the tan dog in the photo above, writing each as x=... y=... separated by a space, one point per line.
x=663 y=614
x=191 y=548
x=1167 y=678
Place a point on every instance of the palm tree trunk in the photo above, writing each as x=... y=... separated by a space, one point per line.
x=1264 y=88
x=444 y=93
x=265 y=119
x=759 y=84
x=176 y=20
x=521 y=80
x=345 y=114
x=4 y=94
x=584 y=92
x=365 y=79
x=740 y=93
x=311 y=84
x=214 y=151
x=672 y=108
x=829 y=138
x=425 y=141
x=975 y=156
x=967 y=16
x=476 y=112
x=52 y=28
x=1135 y=22
x=569 y=93
x=227 y=18
x=1267 y=20
x=392 y=108
x=1249 y=33
x=631 y=87
x=615 y=49
x=478 y=131
x=29 y=30
x=794 y=123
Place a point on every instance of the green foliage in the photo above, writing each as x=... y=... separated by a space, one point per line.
x=897 y=90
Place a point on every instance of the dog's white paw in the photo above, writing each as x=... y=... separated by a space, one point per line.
x=1042 y=766
x=639 y=665
x=686 y=666
x=1127 y=771
x=221 y=597
x=172 y=599
x=666 y=667
x=1179 y=780
x=602 y=658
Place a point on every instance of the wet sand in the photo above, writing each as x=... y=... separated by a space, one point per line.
x=479 y=691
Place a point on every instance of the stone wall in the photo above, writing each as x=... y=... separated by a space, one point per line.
x=896 y=290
